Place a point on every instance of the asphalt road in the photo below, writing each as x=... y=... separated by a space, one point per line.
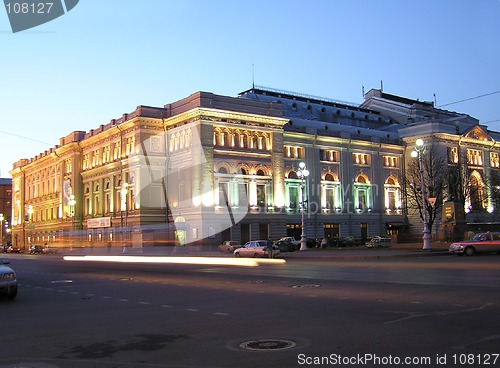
x=424 y=311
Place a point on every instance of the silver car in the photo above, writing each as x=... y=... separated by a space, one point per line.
x=481 y=243
x=8 y=281
x=256 y=248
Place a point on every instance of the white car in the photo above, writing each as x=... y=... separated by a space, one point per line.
x=290 y=239
x=8 y=281
x=256 y=248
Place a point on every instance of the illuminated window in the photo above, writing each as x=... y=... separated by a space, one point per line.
x=392 y=196
x=390 y=161
x=69 y=166
x=453 y=155
x=95 y=158
x=494 y=160
x=294 y=152
x=474 y=157
x=106 y=154
x=130 y=147
x=362 y=194
x=361 y=158
x=117 y=151
x=331 y=198
x=86 y=161
x=329 y=155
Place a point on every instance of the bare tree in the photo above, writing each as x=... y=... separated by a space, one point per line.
x=434 y=165
x=469 y=186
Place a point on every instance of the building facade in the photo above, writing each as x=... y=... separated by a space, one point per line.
x=5 y=210
x=209 y=168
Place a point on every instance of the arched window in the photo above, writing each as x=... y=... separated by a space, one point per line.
x=329 y=177
x=362 y=194
x=254 y=142
x=222 y=170
x=292 y=175
x=331 y=196
x=261 y=172
x=476 y=191
x=224 y=139
x=392 y=196
x=362 y=179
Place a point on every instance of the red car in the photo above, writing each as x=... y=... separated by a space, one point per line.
x=481 y=243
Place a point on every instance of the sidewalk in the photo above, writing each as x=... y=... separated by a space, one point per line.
x=367 y=253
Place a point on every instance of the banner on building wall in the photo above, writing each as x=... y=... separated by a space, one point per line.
x=98 y=222
x=67 y=192
x=190 y=179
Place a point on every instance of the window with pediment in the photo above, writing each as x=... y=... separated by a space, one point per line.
x=331 y=194
x=392 y=195
x=362 y=193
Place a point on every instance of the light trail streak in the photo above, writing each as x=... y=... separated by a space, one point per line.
x=214 y=261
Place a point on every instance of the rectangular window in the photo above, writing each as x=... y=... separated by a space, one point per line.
x=494 y=160
x=331 y=230
x=474 y=157
x=261 y=196
x=329 y=156
x=95 y=158
x=223 y=194
x=243 y=195
x=293 y=197
x=390 y=161
x=453 y=155
x=361 y=158
x=294 y=152
x=329 y=198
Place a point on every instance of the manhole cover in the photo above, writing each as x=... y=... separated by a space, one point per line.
x=307 y=286
x=267 y=344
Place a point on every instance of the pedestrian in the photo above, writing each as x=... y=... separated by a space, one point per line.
x=269 y=247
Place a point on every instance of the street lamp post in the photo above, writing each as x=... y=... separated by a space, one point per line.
x=72 y=203
x=1 y=228
x=303 y=173
x=30 y=219
x=124 y=195
x=419 y=150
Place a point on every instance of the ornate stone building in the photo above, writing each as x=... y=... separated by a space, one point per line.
x=209 y=168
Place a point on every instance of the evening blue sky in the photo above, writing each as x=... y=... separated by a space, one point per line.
x=104 y=58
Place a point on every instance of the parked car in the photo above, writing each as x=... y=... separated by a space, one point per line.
x=36 y=249
x=379 y=242
x=287 y=246
x=229 y=246
x=13 y=249
x=256 y=248
x=290 y=239
x=480 y=243
x=8 y=281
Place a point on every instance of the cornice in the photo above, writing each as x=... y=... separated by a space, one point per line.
x=229 y=118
